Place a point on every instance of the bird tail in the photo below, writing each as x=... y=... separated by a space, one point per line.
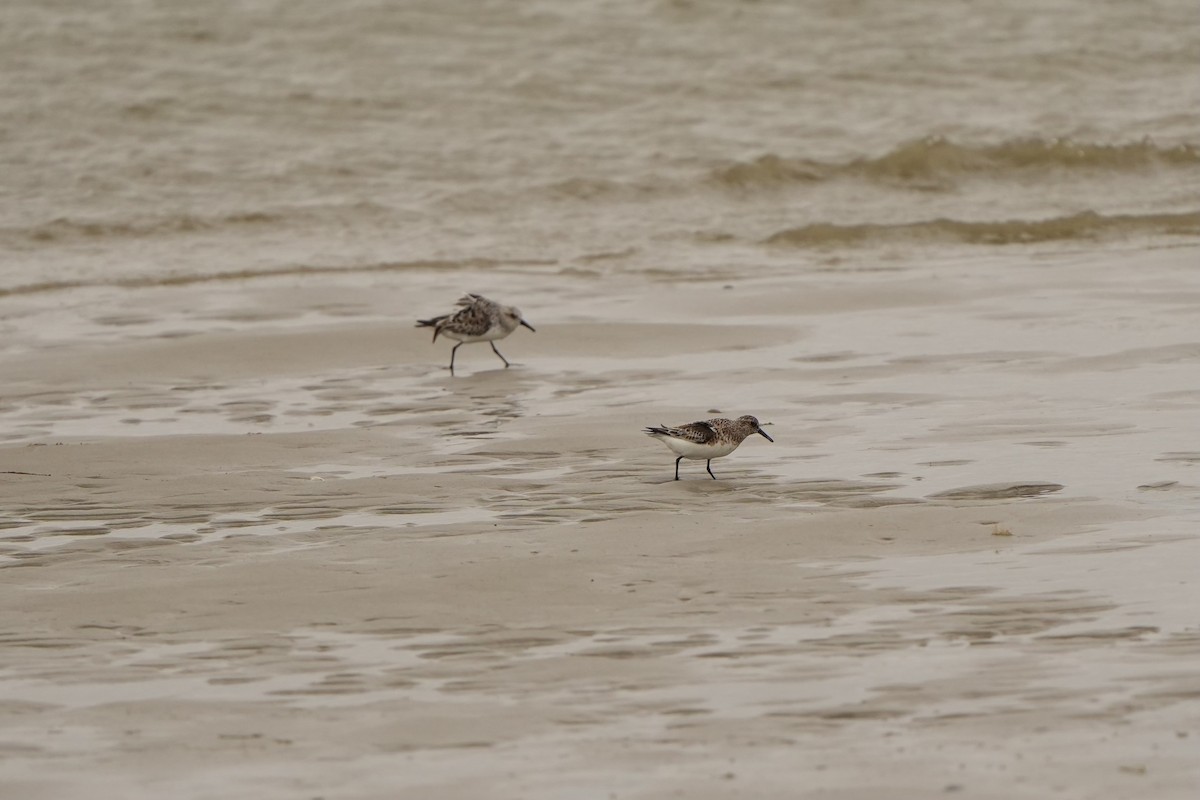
x=661 y=430
x=435 y=323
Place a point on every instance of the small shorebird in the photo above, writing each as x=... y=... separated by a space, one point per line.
x=479 y=320
x=708 y=439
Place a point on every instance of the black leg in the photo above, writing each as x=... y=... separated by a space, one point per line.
x=453 y=350
x=708 y=466
x=497 y=352
x=677 y=467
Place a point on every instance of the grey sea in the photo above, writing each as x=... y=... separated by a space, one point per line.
x=148 y=141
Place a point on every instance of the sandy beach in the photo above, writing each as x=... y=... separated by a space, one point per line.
x=277 y=549
x=256 y=541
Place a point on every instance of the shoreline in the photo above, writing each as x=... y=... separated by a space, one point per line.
x=300 y=557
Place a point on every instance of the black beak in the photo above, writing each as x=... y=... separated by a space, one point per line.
x=527 y=325
x=764 y=433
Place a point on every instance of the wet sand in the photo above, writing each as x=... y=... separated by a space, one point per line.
x=258 y=541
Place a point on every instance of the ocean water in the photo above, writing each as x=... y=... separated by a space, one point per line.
x=147 y=142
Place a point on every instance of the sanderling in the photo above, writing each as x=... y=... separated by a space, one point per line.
x=479 y=320
x=708 y=439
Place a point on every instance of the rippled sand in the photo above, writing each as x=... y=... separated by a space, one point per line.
x=257 y=538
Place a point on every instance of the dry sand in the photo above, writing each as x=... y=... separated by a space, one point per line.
x=258 y=543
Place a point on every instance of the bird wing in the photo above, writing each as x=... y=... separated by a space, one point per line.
x=470 y=299
x=473 y=319
x=696 y=432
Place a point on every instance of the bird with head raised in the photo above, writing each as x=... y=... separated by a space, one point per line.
x=478 y=320
x=707 y=439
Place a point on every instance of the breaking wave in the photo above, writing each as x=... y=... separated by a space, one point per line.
x=1085 y=225
x=141 y=282
x=66 y=229
x=936 y=159
x=69 y=229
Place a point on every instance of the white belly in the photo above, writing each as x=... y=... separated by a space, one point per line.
x=492 y=335
x=681 y=447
